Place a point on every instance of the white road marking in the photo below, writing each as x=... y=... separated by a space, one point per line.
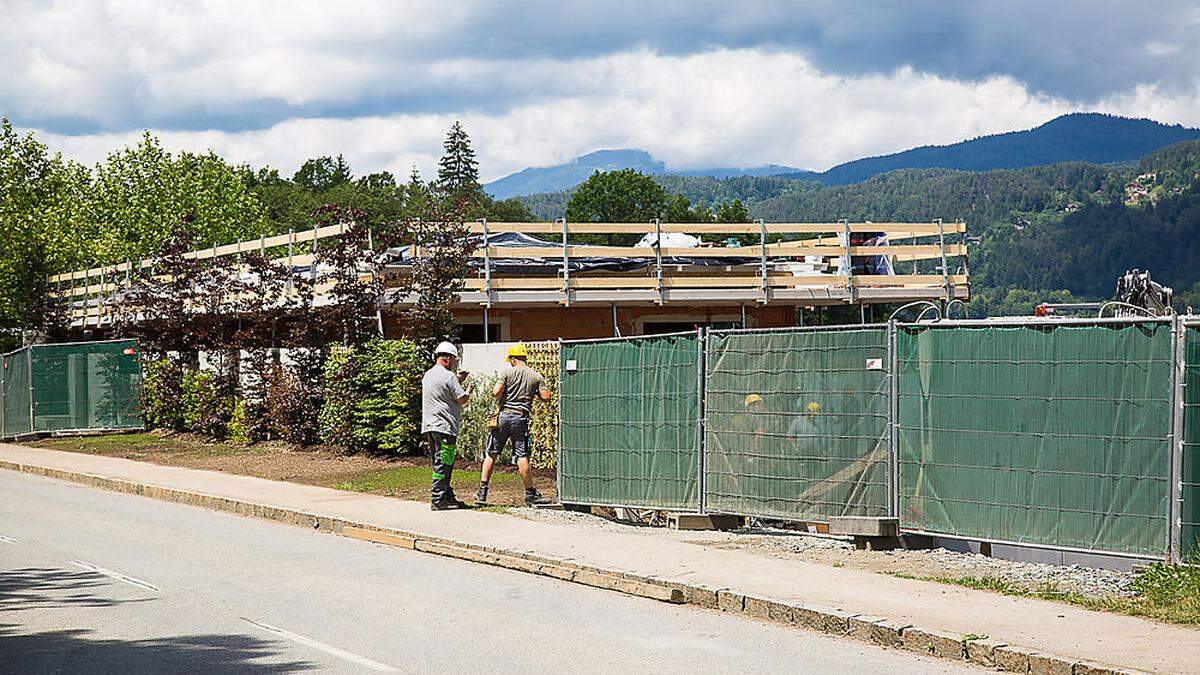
x=7 y=540
x=115 y=575
x=334 y=651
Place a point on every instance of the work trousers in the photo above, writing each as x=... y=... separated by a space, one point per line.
x=441 y=452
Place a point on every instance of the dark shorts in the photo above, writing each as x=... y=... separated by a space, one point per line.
x=511 y=426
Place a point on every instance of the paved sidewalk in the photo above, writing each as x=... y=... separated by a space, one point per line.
x=935 y=609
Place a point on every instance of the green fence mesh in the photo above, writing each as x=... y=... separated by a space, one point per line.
x=1053 y=435
x=797 y=423
x=629 y=422
x=86 y=386
x=1189 y=521
x=16 y=392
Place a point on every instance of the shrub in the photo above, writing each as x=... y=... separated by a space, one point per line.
x=162 y=392
x=336 y=418
x=373 y=396
x=543 y=421
x=387 y=414
x=207 y=403
x=473 y=435
x=293 y=400
x=241 y=425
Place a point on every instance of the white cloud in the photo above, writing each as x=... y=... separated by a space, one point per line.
x=742 y=107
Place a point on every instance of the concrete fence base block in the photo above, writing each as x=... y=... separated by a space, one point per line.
x=703 y=521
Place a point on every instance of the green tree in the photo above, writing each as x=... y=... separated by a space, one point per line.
x=43 y=227
x=625 y=196
x=458 y=171
x=141 y=193
x=507 y=211
x=322 y=173
x=732 y=212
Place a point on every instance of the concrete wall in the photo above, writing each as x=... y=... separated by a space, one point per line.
x=481 y=359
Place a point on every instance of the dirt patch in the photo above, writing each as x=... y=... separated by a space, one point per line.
x=405 y=477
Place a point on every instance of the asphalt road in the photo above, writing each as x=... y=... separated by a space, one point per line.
x=92 y=581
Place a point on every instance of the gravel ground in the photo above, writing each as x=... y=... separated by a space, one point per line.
x=932 y=563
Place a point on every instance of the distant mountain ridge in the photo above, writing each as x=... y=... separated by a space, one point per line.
x=1085 y=137
x=1077 y=137
x=535 y=180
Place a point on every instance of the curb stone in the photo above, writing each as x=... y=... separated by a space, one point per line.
x=990 y=653
x=982 y=652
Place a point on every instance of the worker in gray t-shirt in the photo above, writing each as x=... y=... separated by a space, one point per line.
x=518 y=386
x=442 y=399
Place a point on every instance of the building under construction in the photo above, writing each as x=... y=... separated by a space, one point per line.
x=532 y=281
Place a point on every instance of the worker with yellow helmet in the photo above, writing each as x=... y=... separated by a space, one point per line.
x=515 y=391
x=804 y=427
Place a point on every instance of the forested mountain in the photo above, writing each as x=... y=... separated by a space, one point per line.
x=1078 y=137
x=1084 y=137
x=1037 y=233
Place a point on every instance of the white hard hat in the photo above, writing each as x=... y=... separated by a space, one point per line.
x=445 y=348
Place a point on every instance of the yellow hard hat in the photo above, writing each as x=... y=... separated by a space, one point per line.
x=813 y=407
x=751 y=398
x=518 y=350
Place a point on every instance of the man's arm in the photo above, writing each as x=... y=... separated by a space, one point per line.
x=543 y=390
x=460 y=394
x=498 y=390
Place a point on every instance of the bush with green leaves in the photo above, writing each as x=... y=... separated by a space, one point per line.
x=373 y=396
x=336 y=418
x=242 y=423
x=162 y=393
x=473 y=434
x=207 y=403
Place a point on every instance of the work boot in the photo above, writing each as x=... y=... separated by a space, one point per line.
x=448 y=505
x=534 y=498
x=481 y=494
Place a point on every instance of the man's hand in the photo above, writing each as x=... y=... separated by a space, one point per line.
x=462 y=376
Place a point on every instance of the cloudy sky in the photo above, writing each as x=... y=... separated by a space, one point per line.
x=696 y=83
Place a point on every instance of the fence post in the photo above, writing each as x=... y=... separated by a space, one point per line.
x=945 y=265
x=702 y=416
x=29 y=361
x=566 y=263
x=658 y=265
x=762 y=252
x=1175 y=468
x=3 y=395
x=559 y=451
x=893 y=423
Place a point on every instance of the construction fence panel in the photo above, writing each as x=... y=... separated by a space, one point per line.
x=86 y=386
x=1189 y=478
x=1054 y=434
x=797 y=423
x=630 y=428
x=17 y=418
